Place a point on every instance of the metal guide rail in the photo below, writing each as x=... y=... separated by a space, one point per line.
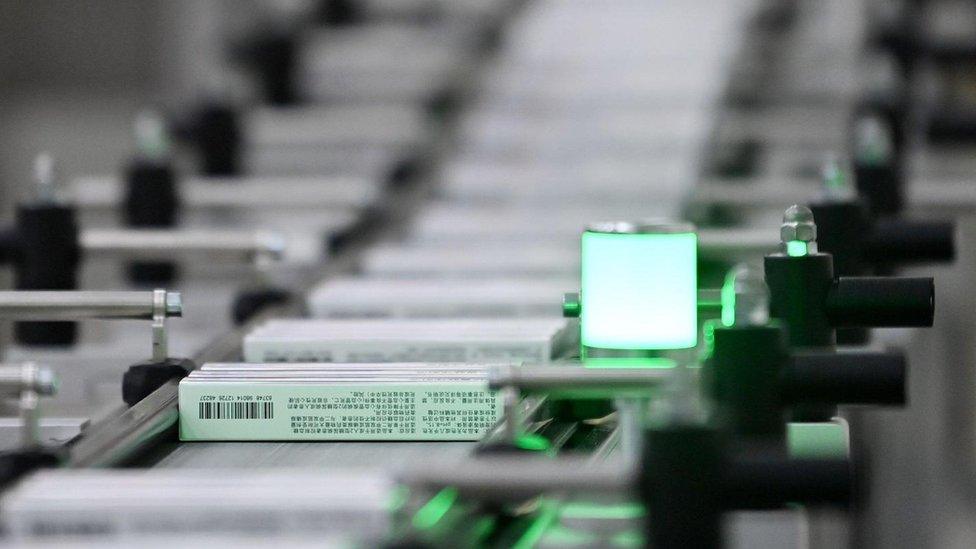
x=131 y=433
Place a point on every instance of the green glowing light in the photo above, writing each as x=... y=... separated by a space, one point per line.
x=434 y=510
x=547 y=526
x=728 y=301
x=629 y=538
x=795 y=248
x=589 y=510
x=629 y=362
x=532 y=442
x=483 y=528
x=708 y=336
x=817 y=440
x=639 y=290
x=548 y=512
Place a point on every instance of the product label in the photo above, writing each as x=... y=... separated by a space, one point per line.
x=460 y=410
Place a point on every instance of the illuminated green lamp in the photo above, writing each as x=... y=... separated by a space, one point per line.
x=639 y=288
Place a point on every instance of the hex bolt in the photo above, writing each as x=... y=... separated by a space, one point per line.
x=798 y=233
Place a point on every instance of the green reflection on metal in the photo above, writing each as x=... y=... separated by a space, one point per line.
x=591 y=510
x=548 y=512
x=532 y=442
x=795 y=248
x=434 y=510
x=560 y=535
x=817 y=440
x=629 y=362
x=728 y=300
x=629 y=538
x=708 y=338
x=483 y=528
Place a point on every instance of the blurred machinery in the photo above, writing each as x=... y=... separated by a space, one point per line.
x=501 y=273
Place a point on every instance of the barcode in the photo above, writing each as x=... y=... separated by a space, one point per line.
x=236 y=410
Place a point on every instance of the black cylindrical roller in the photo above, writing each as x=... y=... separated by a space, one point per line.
x=9 y=246
x=950 y=52
x=846 y=378
x=339 y=13
x=737 y=159
x=744 y=373
x=798 y=288
x=881 y=302
x=681 y=487
x=249 y=303
x=48 y=258
x=881 y=187
x=951 y=126
x=766 y=480
x=898 y=34
x=274 y=58
x=902 y=241
x=151 y=201
x=15 y=464
x=142 y=379
x=219 y=139
x=841 y=227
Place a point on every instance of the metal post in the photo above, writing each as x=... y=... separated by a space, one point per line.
x=152 y=244
x=82 y=305
x=576 y=380
x=513 y=478
x=736 y=244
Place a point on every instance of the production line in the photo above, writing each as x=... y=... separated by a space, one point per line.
x=497 y=274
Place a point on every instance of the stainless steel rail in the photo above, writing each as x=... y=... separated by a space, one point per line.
x=152 y=244
x=573 y=379
x=517 y=478
x=80 y=305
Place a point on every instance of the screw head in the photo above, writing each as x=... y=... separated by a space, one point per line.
x=174 y=304
x=798 y=224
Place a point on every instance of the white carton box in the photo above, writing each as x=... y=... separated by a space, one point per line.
x=410 y=340
x=432 y=298
x=338 y=403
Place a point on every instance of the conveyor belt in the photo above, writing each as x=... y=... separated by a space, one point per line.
x=723 y=17
x=551 y=135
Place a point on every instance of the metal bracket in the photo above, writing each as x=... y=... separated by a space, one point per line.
x=155 y=306
x=27 y=382
x=160 y=339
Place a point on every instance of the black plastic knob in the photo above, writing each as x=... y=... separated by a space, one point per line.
x=218 y=136
x=902 y=241
x=846 y=378
x=151 y=201
x=881 y=302
x=48 y=256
